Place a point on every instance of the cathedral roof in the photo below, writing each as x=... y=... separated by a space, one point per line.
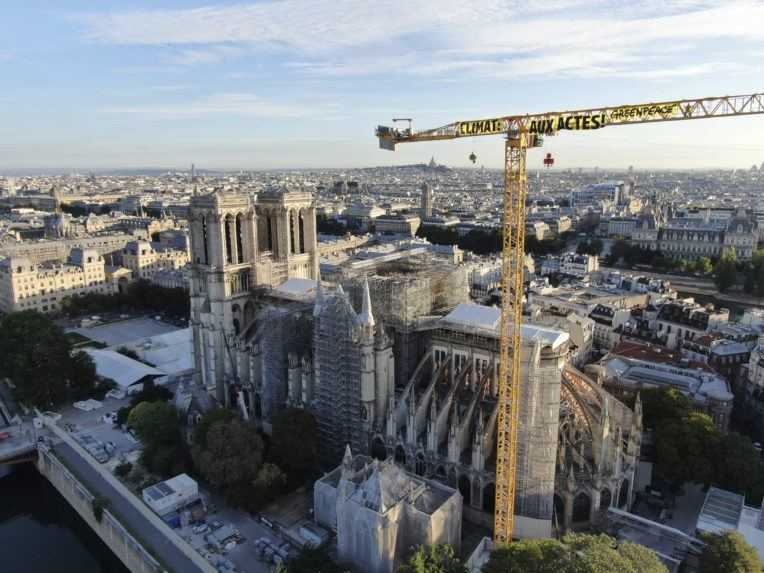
x=384 y=486
x=486 y=318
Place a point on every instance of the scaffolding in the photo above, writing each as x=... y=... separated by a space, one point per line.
x=337 y=370
x=279 y=331
x=403 y=293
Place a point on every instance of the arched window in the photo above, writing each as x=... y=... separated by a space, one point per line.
x=301 y=231
x=489 y=498
x=400 y=456
x=559 y=510
x=420 y=465
x=606 y=498
x=249 y=312
x=581 y=508
x=623 y=495
x=204 y=240
x=236 y=316
x=239 y=240
x=292 y=232
x=378 y=449
x=228 y=239
x=465 y=488
x=269 y=233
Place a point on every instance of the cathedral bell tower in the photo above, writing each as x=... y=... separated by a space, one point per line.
x=239 y=244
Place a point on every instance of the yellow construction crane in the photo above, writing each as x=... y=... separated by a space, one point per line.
x=521 y=132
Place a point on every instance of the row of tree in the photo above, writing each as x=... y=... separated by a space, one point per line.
x=574 y=553
x=141 y=296
x=77 y=210
x=228 y=454
x=38 y=359
x=235 y=459
x=489 y=241
x=331 y=226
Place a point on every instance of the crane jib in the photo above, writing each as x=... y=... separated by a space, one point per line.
x=552 y=123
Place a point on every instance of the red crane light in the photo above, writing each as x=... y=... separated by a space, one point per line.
x=548 y=160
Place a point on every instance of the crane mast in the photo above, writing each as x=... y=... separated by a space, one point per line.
x=522 y=132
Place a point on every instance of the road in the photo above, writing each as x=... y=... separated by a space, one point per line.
x=150 y=535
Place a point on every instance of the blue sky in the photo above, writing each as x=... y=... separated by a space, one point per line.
x=303 y=83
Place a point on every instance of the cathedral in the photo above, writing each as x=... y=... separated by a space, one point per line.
x=419 y=391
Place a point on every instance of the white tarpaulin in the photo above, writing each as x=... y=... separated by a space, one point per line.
x=122 y=370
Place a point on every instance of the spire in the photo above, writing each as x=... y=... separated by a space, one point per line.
x=347 y=459
x=366 y=318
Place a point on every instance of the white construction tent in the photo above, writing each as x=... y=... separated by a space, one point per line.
x=123 y=370
x=171 y=352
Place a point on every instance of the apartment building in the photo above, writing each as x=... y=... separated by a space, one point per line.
x=146 y=259
x=25 y=285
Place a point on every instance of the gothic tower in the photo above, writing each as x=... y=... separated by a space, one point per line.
x=239 y=245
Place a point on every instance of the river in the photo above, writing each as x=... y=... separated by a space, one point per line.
x=41 y=533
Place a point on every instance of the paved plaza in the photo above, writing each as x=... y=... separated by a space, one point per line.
x=124 y=331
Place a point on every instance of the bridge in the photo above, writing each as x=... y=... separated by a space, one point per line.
x=137 y=536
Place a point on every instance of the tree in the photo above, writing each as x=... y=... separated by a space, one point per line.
x=216 y=415
x=529 y=556
x=310 y=560
x=231 y=455
x=154 y=422
x=575 y=553
x=82 y=375
x=36 y=356
x=663 y=404
x=603 y=554
x=725 y=272
x=293 y=446
x=641 y=558
x=737 y=463
x=433 y=559
x=703 y=266
x=268 y=484
x=685 y=449
x=729 y=553
x=158 y=427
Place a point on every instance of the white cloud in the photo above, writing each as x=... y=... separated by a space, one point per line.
x=226 y=104
x=648 y=39
x=203 y=55
x=294 y=24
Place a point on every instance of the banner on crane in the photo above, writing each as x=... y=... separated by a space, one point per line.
x=482 y=127
x=629 y=113
x=588 y=121
x=574 y=122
